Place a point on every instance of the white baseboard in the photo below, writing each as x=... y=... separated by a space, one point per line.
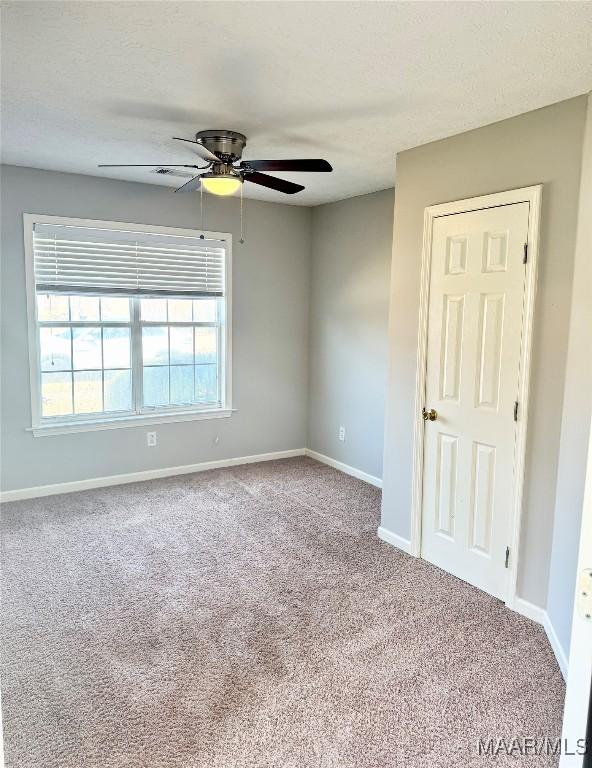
x=540 y=615
x=136 y=477
x=528 y=609
x=394 y=539
x=560 y=654
x=377 y=481
x=153 y=474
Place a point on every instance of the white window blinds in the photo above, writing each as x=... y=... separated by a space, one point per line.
x=70 y=259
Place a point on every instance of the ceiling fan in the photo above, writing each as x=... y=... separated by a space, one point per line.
x=225 y=171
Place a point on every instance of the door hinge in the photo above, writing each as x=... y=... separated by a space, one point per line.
x=516 y=411
x=507 y=557
x=525 y=257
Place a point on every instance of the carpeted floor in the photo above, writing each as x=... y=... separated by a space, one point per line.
x=250 y=617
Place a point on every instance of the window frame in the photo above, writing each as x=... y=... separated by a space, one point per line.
x=53 y=425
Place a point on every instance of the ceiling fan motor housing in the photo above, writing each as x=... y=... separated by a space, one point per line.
x=221 y=169
x=227 y=145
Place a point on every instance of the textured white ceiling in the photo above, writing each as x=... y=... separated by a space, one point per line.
x=91 y=82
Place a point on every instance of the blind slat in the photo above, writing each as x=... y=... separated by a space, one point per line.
x=88 y=260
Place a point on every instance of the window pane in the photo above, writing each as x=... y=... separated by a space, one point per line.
x=206 y=345
x=55 y=349
x=181 y=384
x=205 y=310
x=156 y=386
x=155 y=345
x=153 y=310
x=206 y=389
x=87 y=348
x=52 y=307
x=115 y=308
x=88 y=397
x=116 y=347
x=118 y=390
x=181 y=344
x=56 y=394
x=180 y=362
x=179 y=310
x=84 y=307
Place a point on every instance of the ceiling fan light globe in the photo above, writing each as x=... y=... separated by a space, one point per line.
x=221 y=185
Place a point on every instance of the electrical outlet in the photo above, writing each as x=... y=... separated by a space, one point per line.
x=151 y=439
x=342 y=434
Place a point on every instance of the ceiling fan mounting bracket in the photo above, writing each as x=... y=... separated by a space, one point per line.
x=226 y=145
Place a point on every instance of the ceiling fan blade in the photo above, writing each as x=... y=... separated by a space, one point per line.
x=191 y=185
x=151 y=165
x=280 y=185
x=287 y=165
x=200 y=150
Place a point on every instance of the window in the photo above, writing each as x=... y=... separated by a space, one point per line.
x=128 y=323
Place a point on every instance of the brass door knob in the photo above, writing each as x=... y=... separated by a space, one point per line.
x=429 y=415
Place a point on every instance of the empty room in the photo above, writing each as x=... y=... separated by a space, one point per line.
x=295 y=390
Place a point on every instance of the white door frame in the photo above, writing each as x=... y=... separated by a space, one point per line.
x=579 y=674
x=531 y=195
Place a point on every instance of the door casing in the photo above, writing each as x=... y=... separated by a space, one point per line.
x=533 y=196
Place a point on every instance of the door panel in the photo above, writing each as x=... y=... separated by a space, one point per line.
x=446 y=479
x=452 y=343
x=473 y=361
x=491 y=324
x=482 y=491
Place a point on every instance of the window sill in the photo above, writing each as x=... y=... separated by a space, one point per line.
x=46 y=430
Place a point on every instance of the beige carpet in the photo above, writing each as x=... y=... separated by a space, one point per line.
x=250 y=617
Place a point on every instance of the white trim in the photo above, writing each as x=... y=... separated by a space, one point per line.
x=531 y=195
x=41 y=427
x=392 y=538
x=540 y=615
x=34 y=366
x=226 y=367
x=137 y=420
x=535 y=200
x=152 y=474
x=530 y=610
x=377 y=481
x=560 y=654
x=138 y=477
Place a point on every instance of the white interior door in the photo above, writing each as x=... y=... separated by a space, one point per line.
x=477 y=286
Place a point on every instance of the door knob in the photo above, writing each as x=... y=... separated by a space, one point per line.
x=429 y=415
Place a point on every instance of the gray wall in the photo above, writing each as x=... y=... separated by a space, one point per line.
x=270 y=331
x=545 y=147
x=351 y=246
x=575 y=426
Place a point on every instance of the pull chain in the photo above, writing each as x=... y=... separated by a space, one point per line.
x=201 y=205
x=241 y=215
